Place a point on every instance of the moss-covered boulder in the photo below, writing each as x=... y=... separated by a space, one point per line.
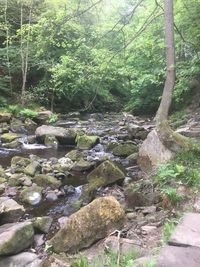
x=31 y=195
x=64 y=136
x=74 y=155
x=42 y=224
x=30 y=125
x=32 y=168
x=5 y=116
x=9 y=137
x=13 y=144
x=10 y=210
x=20 y=161
x=17 y=126
x=82 y=165
x=124 y=150
x=50 y=140
x=24 y=259
x=87 y=141
x=47 y=181
x=88 y=225
x=15 y=237
x=106 y=173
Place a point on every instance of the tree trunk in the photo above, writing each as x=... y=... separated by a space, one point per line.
x=165 y=103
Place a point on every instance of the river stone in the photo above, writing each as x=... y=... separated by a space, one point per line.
x=31 y=195
x=88 y=225
x=17 y=126
x=10 y=210
x=32 y=168
x=30 y=125
x=42 y=224
x=47 y=181
x=137 y=132
x=5 y=117
x=43 y=116
x=82 y=165
x=24 y=259
x=172 y=256
x=19 y=161
x=124 y=150
x=50 y=140
x=15 y=237
x=13 y=144
x=74 y=155
x=64 y=136
x=187 y=232
x=85 y=142
x=9 y=137
x=57 y=260
x=153 y=152
x=106 y=173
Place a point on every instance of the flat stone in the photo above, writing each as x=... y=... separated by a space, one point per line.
x=172 y=256
x=187 y=232
x=25 y=259
x=10 y=210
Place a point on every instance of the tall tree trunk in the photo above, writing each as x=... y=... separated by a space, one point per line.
x=165 y=103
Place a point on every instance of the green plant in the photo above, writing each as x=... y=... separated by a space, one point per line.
x=28 y=113
x=14 y=109
x=166 y=172
x=53 y=118
x=172 y=195
x=48 y=248
x=152 y=263
x=81 y=262
x=168 y=228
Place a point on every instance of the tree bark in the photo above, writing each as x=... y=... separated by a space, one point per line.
x=163 y=110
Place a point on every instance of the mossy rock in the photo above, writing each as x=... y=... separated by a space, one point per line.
x=74 y=155
x=47 y=181
x=9 y=137
x=2 y=172
x=42 y=224
x=32 y=168
x=5 y=116
x=2 y=180
x=106 y=173
x=50 y=140
x=82 y=165
x=85 y=142
x=13 y=144
x=124 y=150
x=30 y=125
x=17 y=126
x=31 y=195
x=89 y=224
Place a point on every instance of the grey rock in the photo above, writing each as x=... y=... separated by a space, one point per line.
x=24 y=259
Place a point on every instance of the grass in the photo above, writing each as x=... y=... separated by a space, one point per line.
x=168 y=228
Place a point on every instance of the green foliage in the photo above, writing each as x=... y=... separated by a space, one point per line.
x=172 y=195
x=168 y=228
x=14 y=109
x=53 y=118
x=28 y=113
x=81 y=262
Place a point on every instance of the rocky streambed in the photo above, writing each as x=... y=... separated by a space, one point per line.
x=65 y=186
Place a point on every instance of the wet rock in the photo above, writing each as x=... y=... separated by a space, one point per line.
x=64 y=136
x=18 y=161
x=42 y=224
x=51 y=196
x=32 y=168
x=124 y=150
x=50 y=140
x=10 y=210
x=24 y=259
x=153 y=152
x=13 y=144
x=88 y=225
x=47 y=181
x=172 y=256
x=69 y=189
x=9 y=137
x=5 y=117
x=82 y=165
x=39 y=240
x=74 y=155
x=135 y=199
x=31 y=195
x=132 y=158
x=30 y=125
x=106 y=173
x=15 y=237
x=56 y=260
x=137 y=132
x=85 y=142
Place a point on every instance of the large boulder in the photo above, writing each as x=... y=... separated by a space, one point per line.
x=43 y=116
x=153 y=152
x=24 y=259
x=137 y=131
x=30 y=125
x=106 y=173
x=87 y=141
x=9 y=137
x=31 y=195
x=32 y=168
x=10 y=210
x=88 y=225
x=42 y=224
x=5 y=116
x=64 y=136
x=15 y=237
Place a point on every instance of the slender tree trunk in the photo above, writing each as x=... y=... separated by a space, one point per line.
x=165 y=103
x=25 y=52
x=7 y=45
